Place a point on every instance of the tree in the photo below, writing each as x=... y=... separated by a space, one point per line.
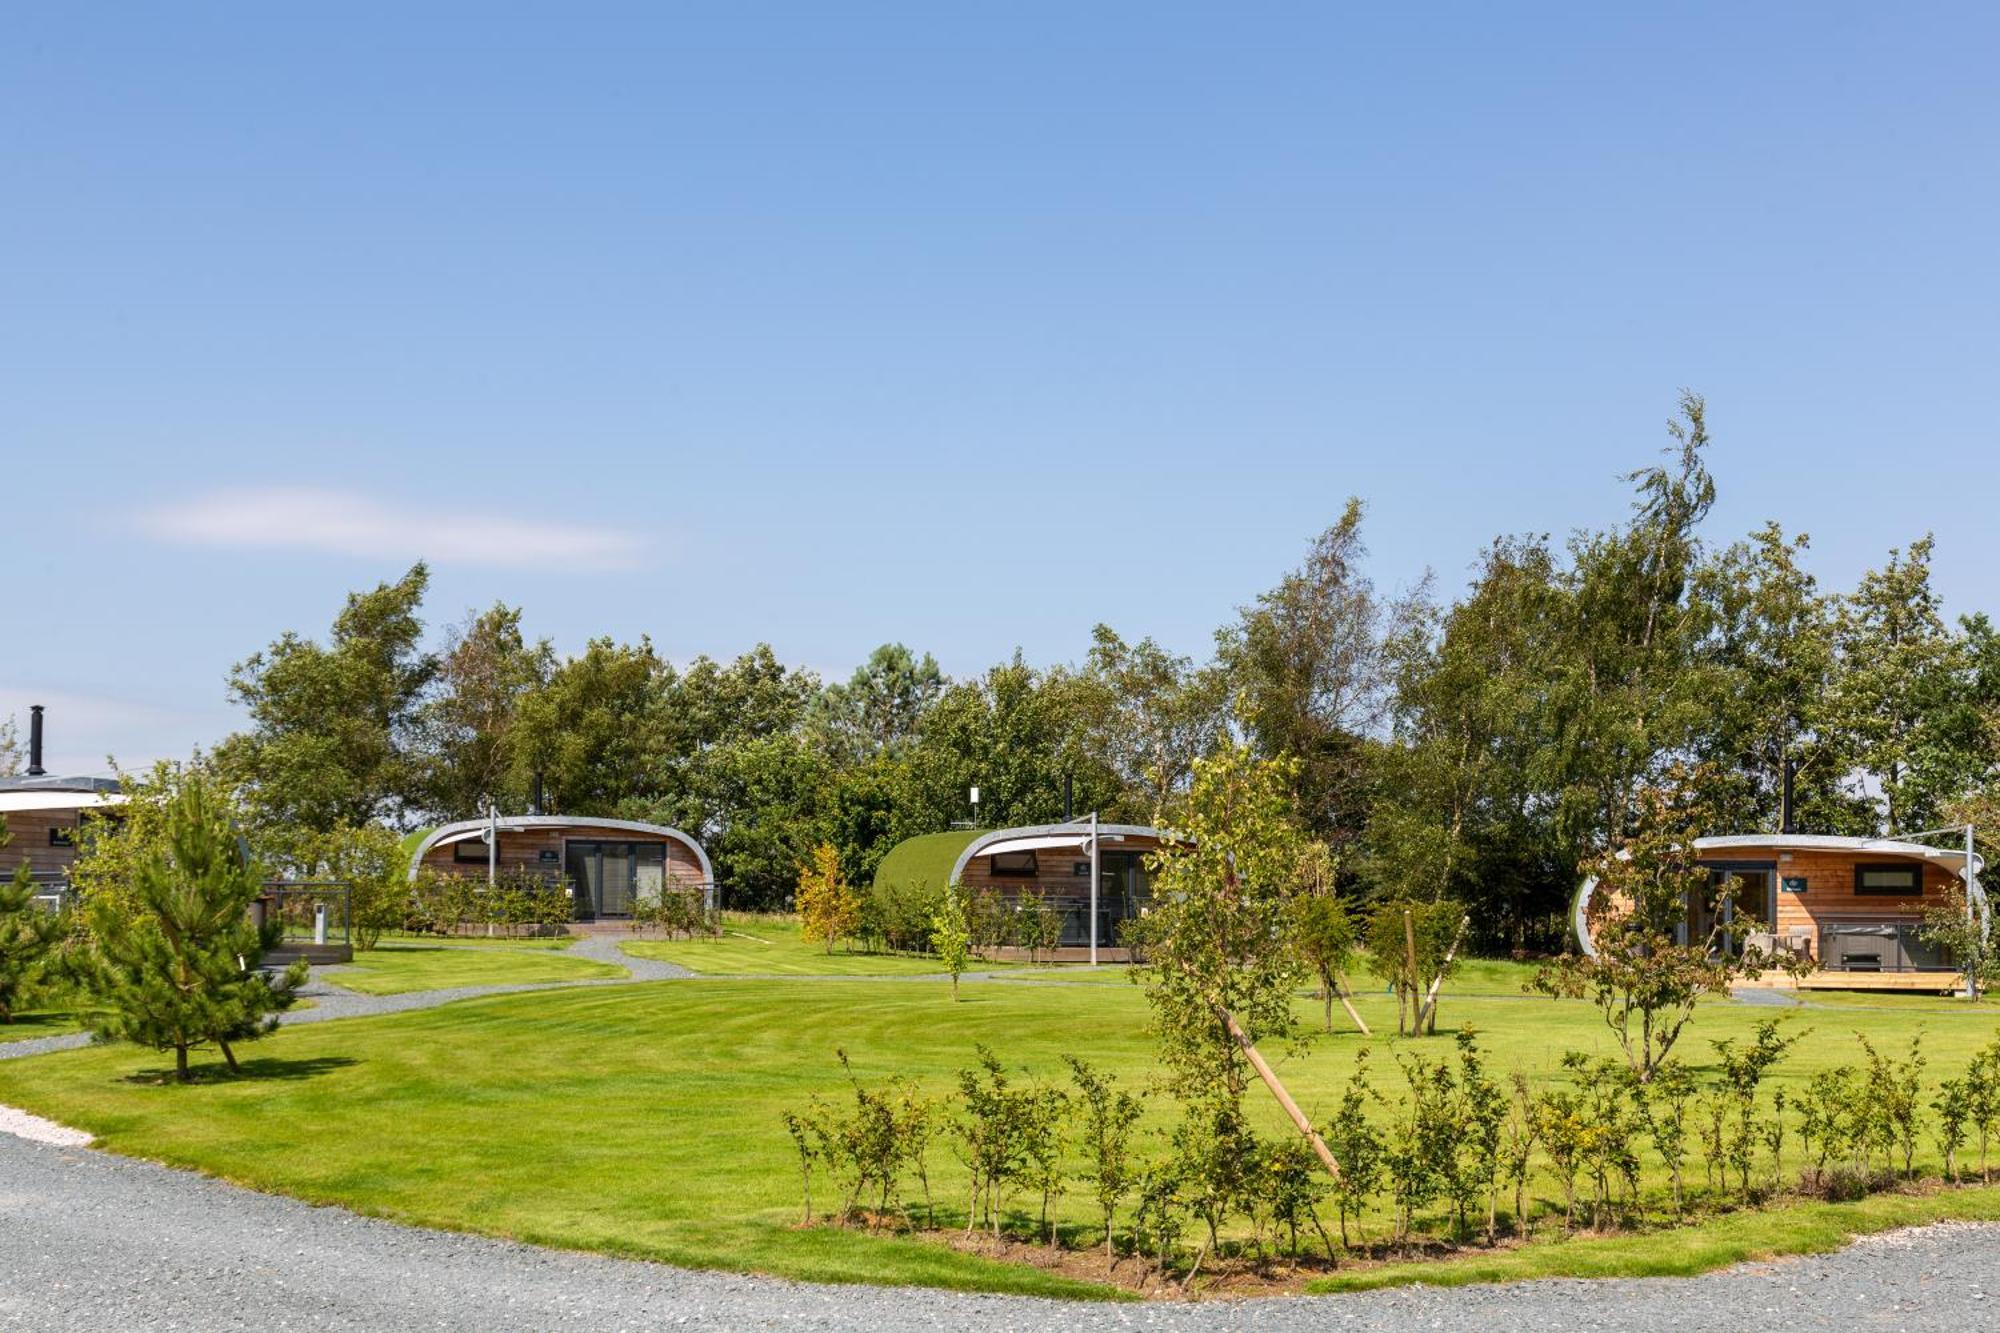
x=951 y=938
x=1109 y=1115
x=879 y=708
x=1412 y=945
x=1767 y=640
x=1653 y=963
x=1158 y=713
x=1323 y=932
x=175 y=967
x=468 y=726
x=829 y=908
x=595 y=729
x=27 y=933
x=1305 y=664
x=1220 y=967
x=331 y=726
x=1901 y=693
x=10 y=749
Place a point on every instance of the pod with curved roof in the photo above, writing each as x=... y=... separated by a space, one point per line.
x=609 y=865
x=1851 y=905
x=1052 y=859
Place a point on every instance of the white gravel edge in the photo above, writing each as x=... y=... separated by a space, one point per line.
x=33 y=1128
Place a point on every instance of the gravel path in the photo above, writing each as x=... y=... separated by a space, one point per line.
x=90 y=1241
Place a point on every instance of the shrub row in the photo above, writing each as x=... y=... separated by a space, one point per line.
x=1440 y=1155
x=518 y=902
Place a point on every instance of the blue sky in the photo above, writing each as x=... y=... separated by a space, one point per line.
x=968 y=326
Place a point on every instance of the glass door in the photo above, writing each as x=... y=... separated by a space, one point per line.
x=603 y=874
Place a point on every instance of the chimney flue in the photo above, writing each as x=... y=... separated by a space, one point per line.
x=35 y=768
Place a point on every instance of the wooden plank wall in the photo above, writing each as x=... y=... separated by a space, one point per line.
x=521 y=849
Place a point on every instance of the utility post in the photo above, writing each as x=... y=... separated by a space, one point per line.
x=492 y=836
x=1971 y=916
x=1094 y=871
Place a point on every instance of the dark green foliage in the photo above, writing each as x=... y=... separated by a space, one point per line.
x=175 y=965
x=28 y=932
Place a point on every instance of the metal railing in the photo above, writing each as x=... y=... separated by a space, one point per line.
x=307 y=912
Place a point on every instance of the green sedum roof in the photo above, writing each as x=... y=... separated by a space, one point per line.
x=927 y=858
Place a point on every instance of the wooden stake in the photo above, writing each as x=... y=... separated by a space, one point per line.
x=1270 y=1077
x=1437 y=982
x=1340 y=992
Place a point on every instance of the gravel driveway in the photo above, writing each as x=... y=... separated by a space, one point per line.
x=97 y=1242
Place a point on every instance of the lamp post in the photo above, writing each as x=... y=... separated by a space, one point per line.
x=975 y=807
x=1093 y=888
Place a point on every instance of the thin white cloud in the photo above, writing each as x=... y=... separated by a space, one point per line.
x=309 y=518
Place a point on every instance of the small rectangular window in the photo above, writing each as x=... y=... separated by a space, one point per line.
x=1890 y=881
x=468 y=851
x=1013 y=865
x=62 y=837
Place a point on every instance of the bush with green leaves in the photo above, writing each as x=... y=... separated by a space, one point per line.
x=896 y=916
x=1108 y=1115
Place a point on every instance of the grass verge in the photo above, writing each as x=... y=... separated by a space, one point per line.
x=396 y=967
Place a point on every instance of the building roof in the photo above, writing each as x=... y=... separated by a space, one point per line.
x=1072 y=833
x=472 y=828
x=1953 y=858
x=49 y=791
x=926 y=859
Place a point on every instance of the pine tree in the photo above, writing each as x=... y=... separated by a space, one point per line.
x=175 y=966
x=27 y=933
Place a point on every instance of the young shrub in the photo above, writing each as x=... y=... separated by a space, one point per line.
x=1958 y=933
x=950 y=939
x=1953 y=1105
x=991 y=1136
x=1042 y=1151
x=1609 y=1124
x=1895 y=1103
x=1482 y=1111
x=1829 y=1126
x=829 y=909
x=1037 y=924
x=917 y=1122
x=175 y=965
x=1664 y=1105
x=988 y=923
x=1743 y=1069
x=1422 y=1152
x=1160 y=1219
x=1523 y=1136
x=28 y=932
x=1982 y=1096
x=1107 y=1115
x=1292 y=1186
x=809 y=1136
x=1357 y=1146
x=1216 y=1153
x=1563 y=1133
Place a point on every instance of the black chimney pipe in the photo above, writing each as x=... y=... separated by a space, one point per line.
x=1068 y=810
x=1787 y=812
x=35 y=768
x=535 y=802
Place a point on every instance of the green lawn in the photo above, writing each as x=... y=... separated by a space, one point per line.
x=752 y=946
x=396 y=966
x=644 y=1120
x=32 y=1023
x=555 y=942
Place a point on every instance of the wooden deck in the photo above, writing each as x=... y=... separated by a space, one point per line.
x=1919 y=983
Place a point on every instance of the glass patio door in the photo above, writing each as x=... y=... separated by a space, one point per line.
x=602 y=874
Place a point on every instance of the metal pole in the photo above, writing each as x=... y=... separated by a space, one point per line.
x=492 y=845
x=1094 y=862
x=1971 y=918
